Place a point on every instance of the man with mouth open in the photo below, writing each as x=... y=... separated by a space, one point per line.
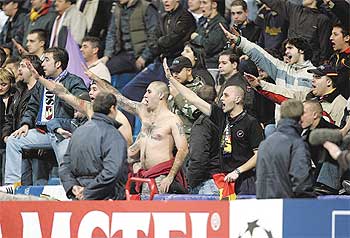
x=241 y=133
x=323 y=90
x=340 y=40
x=293 y=75
x=161 y=132
x=209 y=34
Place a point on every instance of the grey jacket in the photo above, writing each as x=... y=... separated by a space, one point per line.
x=283 y=168
x=96 y=160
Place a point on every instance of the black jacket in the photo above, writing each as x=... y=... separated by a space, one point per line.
x=212 y=38
x=308 y=23
x=73 y=83
x=176 y=28
x=341 y=61
x=4 y=111
x=13 y=29
x=204 y=158
x=283 y=168
x=16 y=110
x=96 y=160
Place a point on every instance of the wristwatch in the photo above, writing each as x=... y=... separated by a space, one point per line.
x=237 y=171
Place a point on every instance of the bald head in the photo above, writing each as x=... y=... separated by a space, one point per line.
x=236 y=91
x=162 y=88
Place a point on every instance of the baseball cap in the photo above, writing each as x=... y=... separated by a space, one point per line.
x=324 y=70
x=179 y=63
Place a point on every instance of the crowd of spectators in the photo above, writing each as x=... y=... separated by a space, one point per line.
x=219 y=87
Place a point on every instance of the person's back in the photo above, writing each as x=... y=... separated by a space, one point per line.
x=96 y=157
x=283 y=167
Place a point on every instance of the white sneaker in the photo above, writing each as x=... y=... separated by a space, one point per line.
x=346 y=186
x=10 y=189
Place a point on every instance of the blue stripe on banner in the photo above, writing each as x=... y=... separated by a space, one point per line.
x=30 y=190
x=316 y=218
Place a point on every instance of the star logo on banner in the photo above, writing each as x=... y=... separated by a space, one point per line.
x=253 y=226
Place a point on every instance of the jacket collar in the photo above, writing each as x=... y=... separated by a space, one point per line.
x=325 y=98
x=102 y=117
x=290 y=126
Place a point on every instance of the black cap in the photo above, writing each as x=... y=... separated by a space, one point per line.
x=179 y=63
x=324 y=70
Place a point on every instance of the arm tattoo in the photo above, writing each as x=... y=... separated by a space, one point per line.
x=178 y=162
x=127 y=104
x=180 y=128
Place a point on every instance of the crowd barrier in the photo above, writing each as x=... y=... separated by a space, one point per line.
x=297 y=218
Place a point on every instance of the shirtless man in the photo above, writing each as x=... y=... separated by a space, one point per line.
x=161 y=131
x=83 y=106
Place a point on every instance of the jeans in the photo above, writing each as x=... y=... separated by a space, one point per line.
x=60 y=147
x=13 y=166
x=329 y=175
x=207 y=187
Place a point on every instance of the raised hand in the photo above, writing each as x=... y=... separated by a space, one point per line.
x=19 y=47
x=166 y=69
x=31 y=68
x=252 y=80
x=232 y=37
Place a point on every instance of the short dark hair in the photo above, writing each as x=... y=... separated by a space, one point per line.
x=59 y=54
x=232 y=56
x=95 y=42
x=345 y=31
x=199 y=54
x=42 y=34
x=36 y=62
x=103 y=102
x=72 y=1
x=240 y=3
x=301 y=44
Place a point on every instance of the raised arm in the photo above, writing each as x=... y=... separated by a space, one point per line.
x=63 y=93
x=276 y=91
x=125 y=103
x=178 y=133
x=187 y=93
